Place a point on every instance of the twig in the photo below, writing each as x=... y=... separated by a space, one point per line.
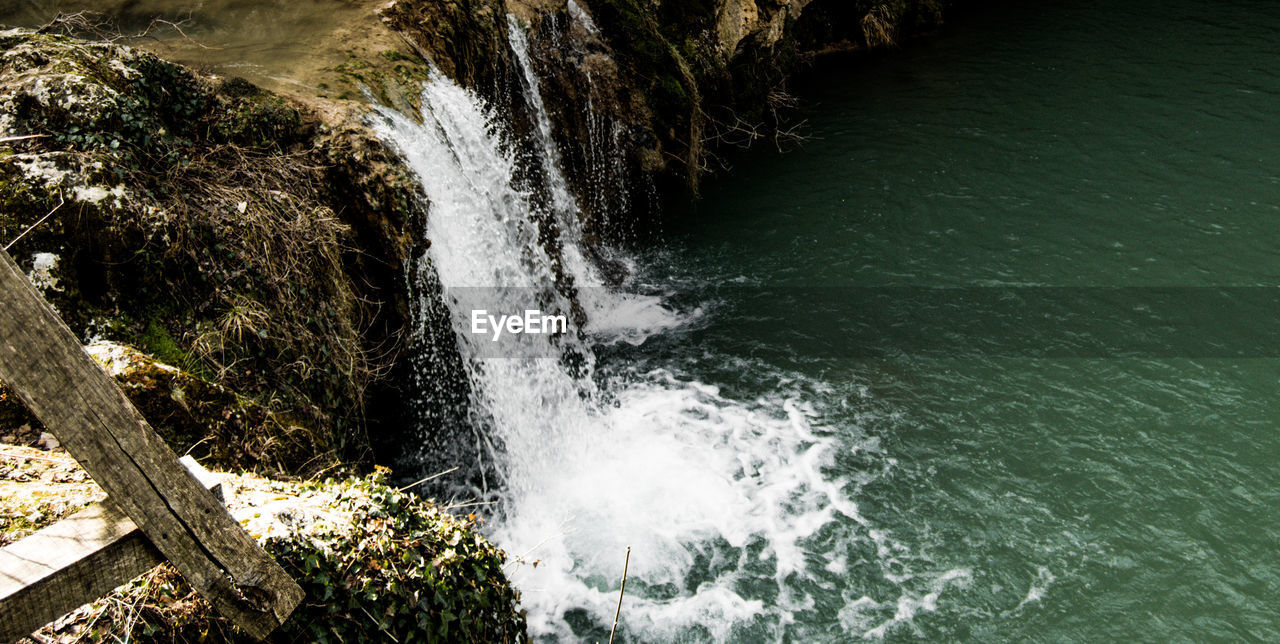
x=197 y=444
x=33 y=226
x=24 y=137
x=466 y=505
x=616 y=615
x=379 y=625
x=29 y=457
x=100 y=26
x=133 y=608
x=430 y=478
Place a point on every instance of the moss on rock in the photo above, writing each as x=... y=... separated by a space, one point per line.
x=256 y=118
x=39 y=488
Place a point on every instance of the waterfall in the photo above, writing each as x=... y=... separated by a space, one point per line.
x=486 y=251
x=560 y=196
x=721 y=500
x=606 y=311
x=581 y=17
x=567 y=213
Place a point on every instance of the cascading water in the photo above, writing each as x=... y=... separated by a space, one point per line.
x=562 y=200
x=607 y=312
x=581 y=17
x=722 y=501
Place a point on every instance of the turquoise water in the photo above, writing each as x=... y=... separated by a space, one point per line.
x=1119 y=491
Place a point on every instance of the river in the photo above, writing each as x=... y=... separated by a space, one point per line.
x=1021 y=483
x=990 y=357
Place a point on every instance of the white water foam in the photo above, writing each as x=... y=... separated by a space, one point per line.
x=670 y=467
x=854 y=617
x=721 y=500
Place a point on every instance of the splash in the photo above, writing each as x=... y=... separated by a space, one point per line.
x=726 y=503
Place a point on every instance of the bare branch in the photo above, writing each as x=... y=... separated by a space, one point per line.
x=99 y=26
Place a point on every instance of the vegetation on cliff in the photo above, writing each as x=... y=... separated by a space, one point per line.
x=215 y=226
x=261 y=253
x=261 y=248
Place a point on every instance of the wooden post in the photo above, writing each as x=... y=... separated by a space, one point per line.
x=43 y=362
x=72 y=562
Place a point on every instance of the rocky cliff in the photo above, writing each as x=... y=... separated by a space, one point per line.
x=647 y=92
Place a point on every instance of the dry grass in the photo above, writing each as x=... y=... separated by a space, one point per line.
x=878 y=26
x=278 y=265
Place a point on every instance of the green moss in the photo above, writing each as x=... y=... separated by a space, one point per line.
x=631 y=27
x=398 y=83
x=263 y=121
x=156 y=341
x=394 y=56
x=670 y=93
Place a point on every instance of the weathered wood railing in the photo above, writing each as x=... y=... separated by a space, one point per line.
x=148 y=490
x=60 y=567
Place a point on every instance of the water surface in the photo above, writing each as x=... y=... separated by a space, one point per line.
x=1118 y=492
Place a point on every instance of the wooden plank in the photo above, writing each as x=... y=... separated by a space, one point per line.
x=43 y=362
x=72 y=562
x=67 y=564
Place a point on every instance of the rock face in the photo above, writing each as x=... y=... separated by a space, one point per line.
x=654 y=87
x=217 y=227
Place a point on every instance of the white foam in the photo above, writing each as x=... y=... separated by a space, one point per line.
x=674 y=470
x=908 y=604
x=631 y=318
x=1044 y=579
x=721 y=500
